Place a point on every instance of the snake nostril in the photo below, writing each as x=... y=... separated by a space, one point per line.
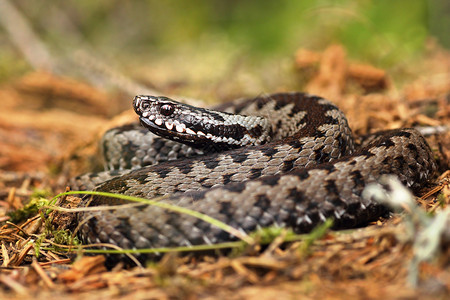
x=144 y=105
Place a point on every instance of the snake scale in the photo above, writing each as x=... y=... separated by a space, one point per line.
x=293 y=165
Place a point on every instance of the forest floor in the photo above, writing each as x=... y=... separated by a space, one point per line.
x=49 y=129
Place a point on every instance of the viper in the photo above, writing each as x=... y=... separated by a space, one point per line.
x=286 y=160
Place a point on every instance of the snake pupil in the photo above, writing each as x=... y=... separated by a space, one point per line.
x=166 y=109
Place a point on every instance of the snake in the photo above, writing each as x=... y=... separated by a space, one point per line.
x=287 y=160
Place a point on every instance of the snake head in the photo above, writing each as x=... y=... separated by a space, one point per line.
x=166 y=117
x=198 y=127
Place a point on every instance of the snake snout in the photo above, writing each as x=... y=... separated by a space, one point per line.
x=136 y=104
x=141 y=104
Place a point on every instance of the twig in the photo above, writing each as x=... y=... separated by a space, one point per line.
x=42 y=274
x=94 y=66
x=23 y=37
x=13 y=284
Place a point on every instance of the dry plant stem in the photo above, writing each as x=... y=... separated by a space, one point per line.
x=96 y=66
x=42 y=274
x=155 y=202
x=15 y=286
x=23 y=253
x=23 y=36
x=59 y=261
x=6 y=258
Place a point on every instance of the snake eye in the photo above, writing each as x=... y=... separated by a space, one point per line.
x=166 y=109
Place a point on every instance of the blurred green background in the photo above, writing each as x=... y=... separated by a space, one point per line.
x=202 y=38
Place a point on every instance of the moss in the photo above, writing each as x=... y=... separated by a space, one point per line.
x=30 y=209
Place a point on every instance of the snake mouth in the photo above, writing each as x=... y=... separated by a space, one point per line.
x=197 y=140
x=171 y=130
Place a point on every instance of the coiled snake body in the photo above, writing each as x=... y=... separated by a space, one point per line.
x=294 y=166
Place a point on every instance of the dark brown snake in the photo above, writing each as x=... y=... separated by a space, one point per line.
x=296 y=168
